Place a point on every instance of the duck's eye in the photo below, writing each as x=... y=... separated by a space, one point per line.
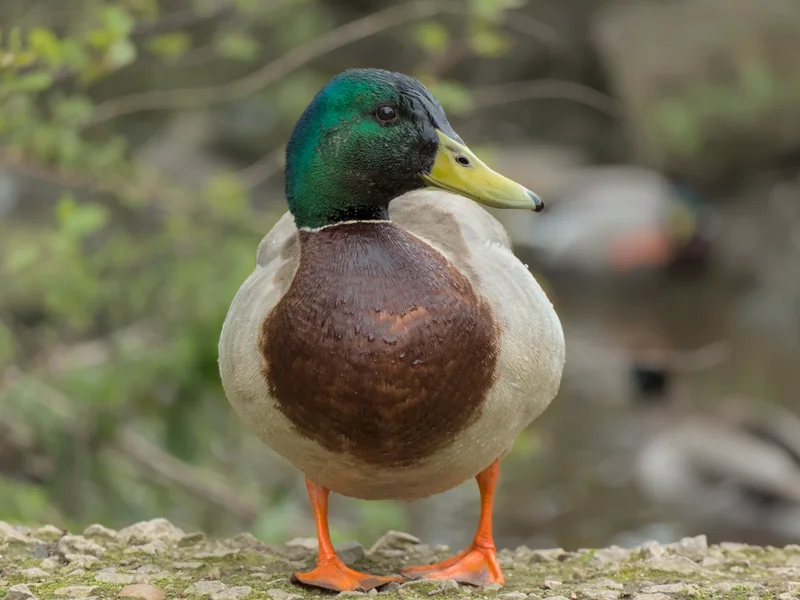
x=386 y=114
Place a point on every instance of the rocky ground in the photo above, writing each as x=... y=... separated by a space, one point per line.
x=155 y=560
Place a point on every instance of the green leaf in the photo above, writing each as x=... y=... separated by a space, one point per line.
x=45 y=43
x=15 y=40
x=237 y=45
x=676 y=126
x=432 y=36
x=171 y=46
x=79 y=220
x=487 y=42
x=117 y=21
x=72 y=110
x=29 y=82
x=121 y=53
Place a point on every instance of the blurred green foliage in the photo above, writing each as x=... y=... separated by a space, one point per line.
x=117 y=279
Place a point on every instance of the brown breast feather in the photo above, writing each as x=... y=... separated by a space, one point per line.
x=380 y=348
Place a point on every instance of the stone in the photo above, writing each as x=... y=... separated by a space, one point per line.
x=694 y=548
x=611 y=555
x=149 y=531
x=349 y=593
x=651 y=597
x=111 y=576
x=277 y=594
x=607 y=583
x=143 y=591
x=350 y=552
x=672 y=564
x=76 y=573
x=191 y=539
x=512 y=596
x=551 y=584
x=48 y=532
x=11 y=534
x=77 y=544
x=99 y=531
x=687 y=589
x=233 y=593
x=594 y=593
x=20 y=592
x=205 y=588
x=49 y=564
x=34 y=573
x=81 y=561
x=552 y=555
x=77 y=591
x=492 y=587
x=652 y=550
x=187 y=565
x=438 y=585
x=151 y=548
x=394 y=540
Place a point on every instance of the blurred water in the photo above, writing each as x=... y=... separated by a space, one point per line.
x=570 y=483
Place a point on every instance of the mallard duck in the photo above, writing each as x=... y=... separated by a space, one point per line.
x=389 y=344
x=735 y=474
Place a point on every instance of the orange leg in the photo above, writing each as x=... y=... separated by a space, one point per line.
x=331 y=573
x=477 y=565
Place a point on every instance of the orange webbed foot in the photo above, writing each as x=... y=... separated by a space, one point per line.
x=334 y=575
x=474 y=566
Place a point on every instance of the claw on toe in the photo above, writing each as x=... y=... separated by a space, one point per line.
x=335 y=575
x=475 y=566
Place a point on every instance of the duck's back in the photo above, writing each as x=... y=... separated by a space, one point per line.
x=396 y=359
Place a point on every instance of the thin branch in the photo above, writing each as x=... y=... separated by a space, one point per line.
x=292 y=60
x=298 y=56
x=135 y=448
x=181 y=19
x=546 y=89
x=200 y=483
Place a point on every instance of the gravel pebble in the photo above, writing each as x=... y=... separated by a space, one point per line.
x=49 y=564
x=48 y=532
x=672 y=588
x=594 y=593
x=20 y=592
x=77 y=544
x=149 y=531
x=11 y=534
x=651 y=597
x=112 y=577
x=34 y=573
x=233 y=593
x=81 y=561
x=187 y=565
x=672 y=564
x=151 y=548
x=512 y=596
x=277 y=594
x=205 y=588
x=77 y=591
x=143 y=591
x=97 y=530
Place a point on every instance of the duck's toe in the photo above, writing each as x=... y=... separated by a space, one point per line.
x=335 y=575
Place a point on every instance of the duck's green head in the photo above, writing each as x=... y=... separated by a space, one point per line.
x=370 y=136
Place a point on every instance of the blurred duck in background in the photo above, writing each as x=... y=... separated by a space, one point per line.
x=735 y=474
x=617 y=219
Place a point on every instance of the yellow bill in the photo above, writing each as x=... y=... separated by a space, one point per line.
x=456 y=169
